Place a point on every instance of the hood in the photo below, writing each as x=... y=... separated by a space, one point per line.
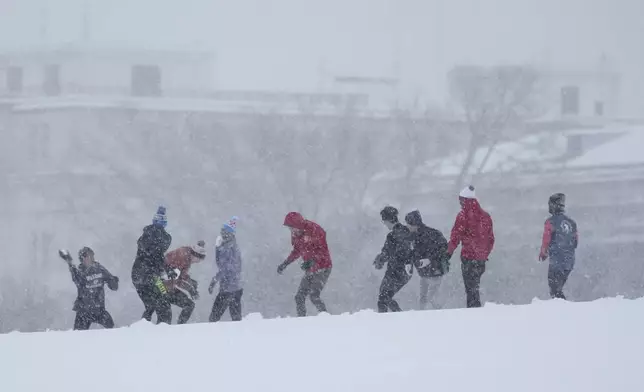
x=414 y=218
x=294 y=220
x=400 y=232
x=470 y=205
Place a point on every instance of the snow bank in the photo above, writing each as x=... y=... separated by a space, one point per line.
x=547 y=346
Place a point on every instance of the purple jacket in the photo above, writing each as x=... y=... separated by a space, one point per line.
x=229 y=261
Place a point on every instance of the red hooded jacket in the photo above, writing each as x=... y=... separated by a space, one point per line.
x=310 y=245
x=473 y=228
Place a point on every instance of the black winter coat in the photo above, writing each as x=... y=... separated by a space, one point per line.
x=430 y=252
x=397 y=252
x=89 y=281
x=150 y=256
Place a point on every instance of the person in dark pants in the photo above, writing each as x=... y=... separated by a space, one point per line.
x=430 y=258
x=309 y=243
x=90 y=278
x=229 y=262
x=559 y=243
x=472 y=271
x=472 y=228
x=178 y=264
x=148 y=271
x=230 y=301
x=397 y=254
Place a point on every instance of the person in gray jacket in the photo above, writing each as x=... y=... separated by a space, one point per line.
x=229 y=262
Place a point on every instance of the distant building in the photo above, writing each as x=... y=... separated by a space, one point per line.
x=582 y=93
x=85 y=70
x=555 y=94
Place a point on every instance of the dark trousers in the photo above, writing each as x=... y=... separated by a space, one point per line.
x=311 y=285
x=391 y=284
x=180 y=299
x=85 y=318
x=472 y=272
x=154 y=301
x=230 y=301
x=557 y=278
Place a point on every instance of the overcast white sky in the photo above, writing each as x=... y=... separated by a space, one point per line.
x=280 y=44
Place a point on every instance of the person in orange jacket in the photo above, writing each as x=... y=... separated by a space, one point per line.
x=309 y=243
x=180 y=260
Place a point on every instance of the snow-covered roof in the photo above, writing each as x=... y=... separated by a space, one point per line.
x=542 y=151
x=627 y=149
x=189 y=105
x=507 y=156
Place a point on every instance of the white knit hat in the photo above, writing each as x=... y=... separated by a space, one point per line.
x=199 y=248
x=468 y=192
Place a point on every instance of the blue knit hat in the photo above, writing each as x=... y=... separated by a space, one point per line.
x=160 y=218
x=231 y=225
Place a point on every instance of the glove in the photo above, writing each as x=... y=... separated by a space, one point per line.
x=194 y=295
x=282 y=267
x=543 y=257
x=172 y=274
x=448 y=256
x=160 y=285
x=379 y=262
x=307 y=265
x=212 y=285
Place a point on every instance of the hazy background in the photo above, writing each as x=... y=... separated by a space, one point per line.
x=291 y=44
x=80 y=177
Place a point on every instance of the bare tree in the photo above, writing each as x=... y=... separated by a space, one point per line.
x=318 y=162
x=425 y=139
x=495 y=101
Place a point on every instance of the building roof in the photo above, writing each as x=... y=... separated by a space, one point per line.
x=625 y=150
x=70 y=51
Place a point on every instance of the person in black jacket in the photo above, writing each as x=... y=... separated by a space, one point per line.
x=397 y=254
x=149 y=272
x=430 y=257
x=90 y=277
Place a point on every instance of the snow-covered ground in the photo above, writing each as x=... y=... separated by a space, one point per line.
x=546 y=346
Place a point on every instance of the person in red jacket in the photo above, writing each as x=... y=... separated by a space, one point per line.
x=473 y=229
x=181 y=259
x=309 y=244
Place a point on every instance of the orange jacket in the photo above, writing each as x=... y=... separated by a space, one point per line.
x=180 y=259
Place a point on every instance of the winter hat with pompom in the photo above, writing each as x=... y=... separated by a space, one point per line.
x=160 y=218
x=468 y=192
x=231 y=225
x=199 y=249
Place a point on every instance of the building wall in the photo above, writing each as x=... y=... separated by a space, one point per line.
x=593 y=87
x=110 y=73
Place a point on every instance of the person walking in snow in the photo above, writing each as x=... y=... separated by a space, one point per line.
x=430 y=258
x=90 y=277
x=180 y=260
x=229 y=263
x=148 y=270
x=559 y=243
x=473 y=228
x=309 y=243
x=397 y=254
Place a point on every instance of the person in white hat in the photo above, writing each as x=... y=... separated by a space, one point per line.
x=473 y=229
x=178 y=264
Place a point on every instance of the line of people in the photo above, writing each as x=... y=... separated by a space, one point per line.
x=162 y=279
